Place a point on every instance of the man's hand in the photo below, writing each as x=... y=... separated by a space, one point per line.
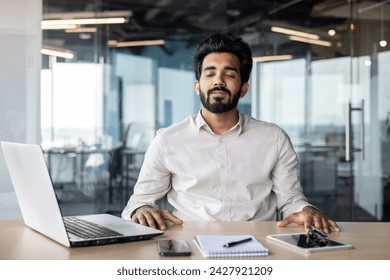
x=151 y=217
x=310 y=217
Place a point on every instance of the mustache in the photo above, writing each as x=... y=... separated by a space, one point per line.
x=218 y=88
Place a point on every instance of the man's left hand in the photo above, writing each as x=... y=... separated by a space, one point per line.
x=309 y=217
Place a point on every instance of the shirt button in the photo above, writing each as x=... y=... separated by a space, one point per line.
x=222 y=165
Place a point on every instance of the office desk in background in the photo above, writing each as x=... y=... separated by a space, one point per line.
x=77 y=157
x=131 y=165
x=121 y=164
x=371 y=241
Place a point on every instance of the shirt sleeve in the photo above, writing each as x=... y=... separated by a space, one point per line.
x=287 y=187
x=153 y=182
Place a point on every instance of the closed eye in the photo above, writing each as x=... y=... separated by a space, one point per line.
x=231 y=75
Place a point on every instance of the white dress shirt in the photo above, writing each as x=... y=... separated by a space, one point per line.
x=244 y=174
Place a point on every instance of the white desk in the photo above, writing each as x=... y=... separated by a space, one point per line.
x=371 y=241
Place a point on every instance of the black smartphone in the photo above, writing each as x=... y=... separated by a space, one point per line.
x=171 y=248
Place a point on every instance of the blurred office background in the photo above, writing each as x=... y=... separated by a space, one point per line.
x=93 y=92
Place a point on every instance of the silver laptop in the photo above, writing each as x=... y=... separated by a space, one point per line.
x=41 y=212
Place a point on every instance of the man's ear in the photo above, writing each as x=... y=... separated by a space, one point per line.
x=196 y=87
x=244 y=90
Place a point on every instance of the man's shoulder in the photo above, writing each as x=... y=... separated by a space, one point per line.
x=180 y=127
x=252 y=123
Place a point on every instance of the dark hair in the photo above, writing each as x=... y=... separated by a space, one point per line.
x=224 y=42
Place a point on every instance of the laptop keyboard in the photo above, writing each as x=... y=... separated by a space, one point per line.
x=86 y=229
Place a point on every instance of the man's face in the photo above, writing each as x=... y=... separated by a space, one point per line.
x=219 y=86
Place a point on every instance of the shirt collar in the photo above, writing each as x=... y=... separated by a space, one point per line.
x=201 y=123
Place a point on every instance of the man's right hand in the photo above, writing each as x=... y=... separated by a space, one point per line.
x=154 y=218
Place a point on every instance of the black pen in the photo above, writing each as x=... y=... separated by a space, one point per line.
x=234 y=243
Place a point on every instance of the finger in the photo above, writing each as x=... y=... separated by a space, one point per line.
x=328 y=225
x=325 y=225
x=282 y=223
x=334 y=225
x=326 y=229
x=150 y=217
x=167 y=215
x=138 y=215
x=135 y=219
x=286 y=221
x=318 y=222
x=160 y=222
x=154 y=219
x=139 y=218
x=307 y=224
x=157 y=219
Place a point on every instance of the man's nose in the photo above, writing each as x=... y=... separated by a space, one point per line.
x=219 y=81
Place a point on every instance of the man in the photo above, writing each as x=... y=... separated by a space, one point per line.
x=221 y=164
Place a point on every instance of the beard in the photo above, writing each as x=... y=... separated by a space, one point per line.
x=218 y=106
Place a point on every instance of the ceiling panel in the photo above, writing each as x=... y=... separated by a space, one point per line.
x=190 y=20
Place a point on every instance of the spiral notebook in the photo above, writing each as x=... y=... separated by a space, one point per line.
x=212 y=246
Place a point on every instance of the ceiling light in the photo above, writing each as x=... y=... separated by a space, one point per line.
x=88 y=14
x=113 y=43
x=82 y=30
x=57 y=52
x=311 y=41
x=331 y=32
x=81 y=21
x=272 y=58
x=59 y=26
x=383 y=43
x=367 y=63
x=294 y=32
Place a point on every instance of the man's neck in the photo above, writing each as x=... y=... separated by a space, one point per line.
x=220 y=123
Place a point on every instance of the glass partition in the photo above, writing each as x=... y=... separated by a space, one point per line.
x=331 y=96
